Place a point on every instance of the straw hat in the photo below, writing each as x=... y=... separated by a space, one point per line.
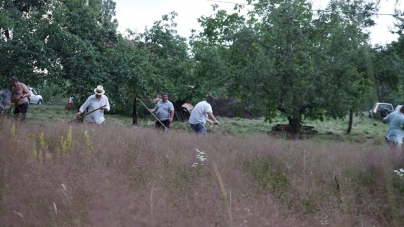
x=99 y=90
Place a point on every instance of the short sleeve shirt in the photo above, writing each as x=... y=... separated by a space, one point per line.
x=163 y=110
x=395 y=132
x=200 y=113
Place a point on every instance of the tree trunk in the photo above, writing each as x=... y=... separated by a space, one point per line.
x=379 y=92
x=134 y=113
x=348 y=131
x=7 y=33
x=181 y=113
x=382 y=94
x=295 y=123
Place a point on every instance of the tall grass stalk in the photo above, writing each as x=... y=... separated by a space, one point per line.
x=152 y=190
x=304 y=167
x=394 y=206
x=226 y=199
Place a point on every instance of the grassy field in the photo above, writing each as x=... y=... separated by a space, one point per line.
x=363 y=127
x=58 y=174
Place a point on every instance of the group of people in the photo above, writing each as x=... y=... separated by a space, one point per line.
x=98 y=103
x=201 y=113
x=163 y=111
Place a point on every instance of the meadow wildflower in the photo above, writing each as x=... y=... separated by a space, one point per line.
x=400 y=173
x=201 y=156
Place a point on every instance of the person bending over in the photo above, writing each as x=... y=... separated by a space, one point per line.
x=200 y=114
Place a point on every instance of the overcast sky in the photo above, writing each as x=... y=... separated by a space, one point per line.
x=137 y=14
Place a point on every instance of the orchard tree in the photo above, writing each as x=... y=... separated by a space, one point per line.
x=130 y=73
x=173 y=67
x=387 y=71
x=12 y=12
x=211 y=51
x=347 y=56
x=283 y=58
x=388 y=62
x=24 y=53
x=59 y=41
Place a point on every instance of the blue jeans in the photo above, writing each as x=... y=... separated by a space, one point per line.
x=199 y=128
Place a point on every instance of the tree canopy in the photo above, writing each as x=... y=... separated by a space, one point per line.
x=284 y=58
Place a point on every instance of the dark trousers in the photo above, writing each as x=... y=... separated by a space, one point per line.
x=22 y=108
x=165 y=123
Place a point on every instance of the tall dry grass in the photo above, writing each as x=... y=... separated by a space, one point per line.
x=84 y=175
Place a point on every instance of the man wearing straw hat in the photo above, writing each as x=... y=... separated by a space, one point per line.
x=98 y=102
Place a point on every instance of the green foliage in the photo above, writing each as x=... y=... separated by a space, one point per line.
x=289 y=60
x=211 y=49
x=75 y=47
x=387 y=71
x=6 y=20
x=169 y=55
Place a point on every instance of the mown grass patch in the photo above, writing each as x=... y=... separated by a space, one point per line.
x=363 y=128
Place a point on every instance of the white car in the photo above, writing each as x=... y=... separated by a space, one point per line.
x=381 y=110
x=35 y=97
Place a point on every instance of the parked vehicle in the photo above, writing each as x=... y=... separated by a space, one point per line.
x=381 y=110
x=35 y=97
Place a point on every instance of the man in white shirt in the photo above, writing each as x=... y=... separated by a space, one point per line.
x=97 y=101
x=200 y=114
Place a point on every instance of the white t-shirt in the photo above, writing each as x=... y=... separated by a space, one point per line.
x=200 y=113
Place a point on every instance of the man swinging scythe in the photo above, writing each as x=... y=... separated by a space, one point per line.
x=96 y=104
